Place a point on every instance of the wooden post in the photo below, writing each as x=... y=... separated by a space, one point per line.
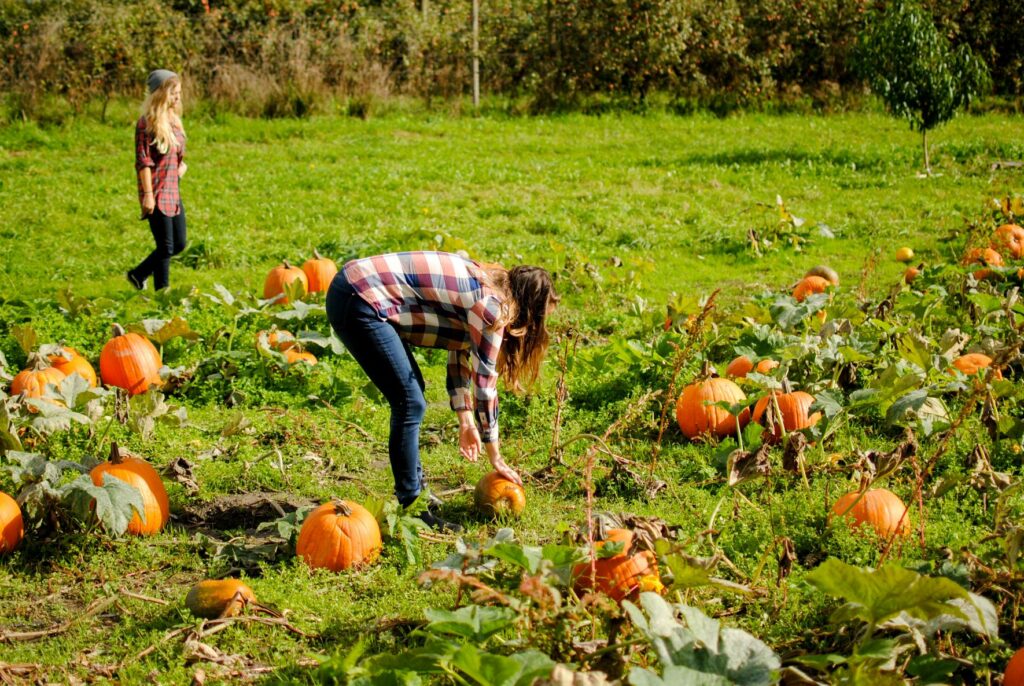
x=476 y=53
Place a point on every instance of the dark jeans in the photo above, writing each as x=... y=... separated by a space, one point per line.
x=169 y=235
x=389 y=363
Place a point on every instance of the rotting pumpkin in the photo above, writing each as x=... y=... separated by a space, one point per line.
x=495 y=495
x=621 y=575
x=216 y=598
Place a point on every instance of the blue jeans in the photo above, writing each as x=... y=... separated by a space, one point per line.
x=388 y=361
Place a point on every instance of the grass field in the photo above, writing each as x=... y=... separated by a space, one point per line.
x=630 y=212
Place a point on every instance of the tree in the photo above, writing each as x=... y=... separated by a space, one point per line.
x=916 y=71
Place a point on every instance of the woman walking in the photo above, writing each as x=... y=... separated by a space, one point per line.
x=491 y=320
x=159 y=163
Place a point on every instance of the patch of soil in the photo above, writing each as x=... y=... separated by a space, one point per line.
x=241 y=511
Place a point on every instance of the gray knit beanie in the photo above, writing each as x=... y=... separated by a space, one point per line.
x=157 y=78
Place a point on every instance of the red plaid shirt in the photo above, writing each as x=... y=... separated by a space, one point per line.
x=439 y=300
x=164 y=166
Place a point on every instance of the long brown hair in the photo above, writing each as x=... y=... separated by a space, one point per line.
x=528 y=295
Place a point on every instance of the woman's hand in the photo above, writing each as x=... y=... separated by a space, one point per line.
x=469 y=436
x=182 y=168
x=148 y=203
x=494 y=453
x=469 y=442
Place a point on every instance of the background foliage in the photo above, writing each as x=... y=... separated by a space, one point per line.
x=287 y=57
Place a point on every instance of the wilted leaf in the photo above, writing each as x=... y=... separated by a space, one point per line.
x=744 y=465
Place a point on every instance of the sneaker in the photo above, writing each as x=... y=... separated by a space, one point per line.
x=136 y=284
x=435 y=522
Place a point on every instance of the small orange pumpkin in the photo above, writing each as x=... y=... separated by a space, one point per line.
x=1009 y=238
x=825 y=272
x=139 y=474
x=33 y=379
x=130 y=361
x=621 y=575
x=880 y=508
x=278 y=339
x=319 y=271
x=794 y=407
x=281 y=276
x=973 y=363
x=697 y=416
x=215 y=598
x=70 y=362
x=810 y=285
x=983 y=256
x=495 y=495
x=912 y=273
x=741 y=366
x=1014 y=674
x=12 y=525
x=293 y=355
x=339 y=535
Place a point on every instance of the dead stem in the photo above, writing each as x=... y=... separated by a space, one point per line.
x=694 y=333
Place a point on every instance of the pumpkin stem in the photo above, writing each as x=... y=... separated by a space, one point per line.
x=342 y=508
x=317 y=255
x=706 y=371
x=115 y=453
x=38 y=362
x=786 y=387
x=286 y=264
x=117 y=329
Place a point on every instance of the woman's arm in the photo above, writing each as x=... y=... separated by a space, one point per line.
x=148 y=200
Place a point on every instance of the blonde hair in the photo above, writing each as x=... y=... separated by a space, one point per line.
x=161 y=118
x=527 y=293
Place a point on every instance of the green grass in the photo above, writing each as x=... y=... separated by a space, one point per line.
x=670 y=197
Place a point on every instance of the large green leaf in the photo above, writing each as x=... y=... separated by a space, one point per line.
x=699 y=643
x=874 y=596
x=113 y=503
x=471 y=622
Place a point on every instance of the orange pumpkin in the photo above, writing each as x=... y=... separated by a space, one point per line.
x=215 y=598
x=912 y=273
x=809 y=285
x=495 y=495
x=319 y=271
x=621 y=575
x=281 y=276
x=1014 y=675
x=697 y=417
x=130 y=361
x=278 y=339
x=741 y=366
x=32 y=380
x=339 y=535
x=794 y=408
x=139 y=474
x=12 y=526
x=292 y=355
x=878 y=507
x=825 y=272
x=1009 y=238
x=984 y=256
x=70 y=362
x=973 y=363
